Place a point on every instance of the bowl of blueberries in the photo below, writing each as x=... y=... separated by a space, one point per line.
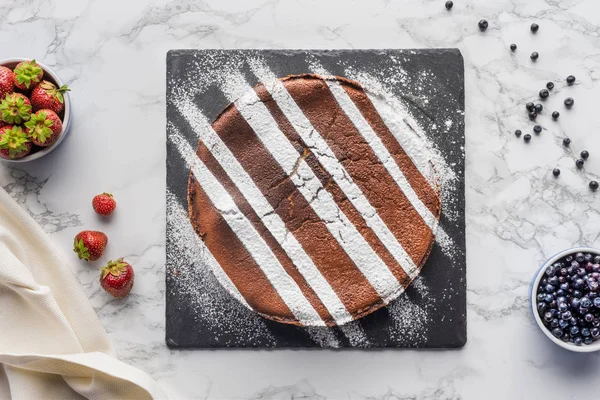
x=565 y=299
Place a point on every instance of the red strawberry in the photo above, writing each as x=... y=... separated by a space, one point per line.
x=104 y=204
x=13 y=142
x=44 y=128
x=6 y=81
x=89 y=245
x=117 y=278
x=27 y=75
x=47 y=95
x=15 y=108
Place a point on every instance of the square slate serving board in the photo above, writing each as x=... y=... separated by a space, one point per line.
x=200 y=313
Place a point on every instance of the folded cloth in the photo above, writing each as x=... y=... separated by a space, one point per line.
x=52 y=345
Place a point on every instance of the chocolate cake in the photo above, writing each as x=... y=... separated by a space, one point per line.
x=308 y=202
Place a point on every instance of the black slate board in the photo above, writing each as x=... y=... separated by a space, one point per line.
x=199 y=311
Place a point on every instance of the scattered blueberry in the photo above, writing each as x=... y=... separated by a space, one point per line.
x=593 y=185
x=544 y=93
x=513 y=47
x=449 y=4
x=550 y=85
x=530 y=106
x=566 y=141
x=538 y=108
x=585 y=154
x=579 y=163
x=527 y=137
x=570 y=79
x=483 y=25
x=532 y=115
x=569 y=102
x=518 y=133
x=556 y=172
x=537 y=129
x=534 y=56
x=534 y=27
x=555 y=114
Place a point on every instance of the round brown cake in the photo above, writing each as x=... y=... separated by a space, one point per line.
x=308 y=202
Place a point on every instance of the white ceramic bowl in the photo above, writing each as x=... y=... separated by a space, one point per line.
x=50 y=75
x=595 y=346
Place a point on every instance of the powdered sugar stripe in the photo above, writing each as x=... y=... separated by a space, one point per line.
x=363 y=127
x=259 y=118
x=213 y=264
x=285 y=286
x=265 y=211
x=327 y=158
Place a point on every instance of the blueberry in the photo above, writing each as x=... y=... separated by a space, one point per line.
x=544 y=93
x=550 y=85
x=527 y=137
x=555 y=115
x=578 y=340
x=557 y=332
x=530 y=106
x=449 y=5
x=518 y=133
x=581 y=272
x=537 y=129
x=577 y=294
x=593 y=185
x=564 y=324
x=588 y=317
x=597 y=302
x=586 y=302
x=562 y=307
x=538 y=108
x=578 y=284
x=563 y=272
x=565 y=316
x=551 y=288
x=562 y=279
x=575 y=302
x=564 y=286
x=585 y=331
x=575 y=263
x=556 y=172
x=483 y=25
x=569 y=258
x=553 y=280
x=541 y=307
x=513 y=47
x=597 y=260
x=565 y=337
x=579 y=163
x=532 y=115
x=588 y=340
x=561 y=292
x=579 y=257
x=534 y=27
x=573 y=321
x=592 y=285
x=574 y=330
x=570 y=79
x=569 y=102
x=585 y=154
x=548 y=298
x=596 y=322
x=534 y=56
x=595 y=332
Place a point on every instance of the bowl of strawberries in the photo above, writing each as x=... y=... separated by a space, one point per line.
x=35 y=110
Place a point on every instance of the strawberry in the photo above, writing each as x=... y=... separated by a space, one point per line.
x=104 y=204
x=117 y=278
x=13 y=142
x=6 y=81
x=44 y=128
x=89 y=245
x=15 y=108
x=27 y=75
x=47 y=95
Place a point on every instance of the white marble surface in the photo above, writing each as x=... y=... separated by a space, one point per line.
x=113 y=55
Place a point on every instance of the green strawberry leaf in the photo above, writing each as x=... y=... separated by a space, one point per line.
x=15 y=141
x=81 y=250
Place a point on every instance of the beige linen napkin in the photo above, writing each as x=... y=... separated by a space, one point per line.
x=52 y=345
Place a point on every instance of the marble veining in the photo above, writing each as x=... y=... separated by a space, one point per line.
x=113 y=54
